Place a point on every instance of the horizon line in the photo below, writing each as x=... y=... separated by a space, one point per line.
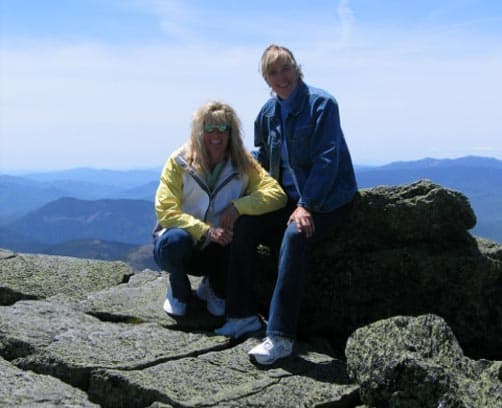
x=157 y=167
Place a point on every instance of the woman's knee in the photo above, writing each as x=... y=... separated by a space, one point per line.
x=292 y=236
x=175 y=242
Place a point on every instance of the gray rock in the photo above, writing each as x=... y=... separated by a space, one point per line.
x=53 y=339
x=390 y=216
x=130 y=364
x=490 y=248
x=227 y=378
x=402 y=252
x=110 y=359
x=417 y=362
x=140 y=300
x=26 y=389
x=6 y=254
x=24 y=276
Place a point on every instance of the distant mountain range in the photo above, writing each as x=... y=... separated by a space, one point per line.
x=108 y=214
x=117 y=178
x=22 y=193
x=65 y=219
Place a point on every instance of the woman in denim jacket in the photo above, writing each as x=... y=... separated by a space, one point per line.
x=301 y=143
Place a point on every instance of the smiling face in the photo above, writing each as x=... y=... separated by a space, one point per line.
x=216 y=137
x=282 y=77
x=280 y=70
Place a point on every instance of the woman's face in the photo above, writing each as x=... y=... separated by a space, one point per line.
x=282 y=78
x=216 y=139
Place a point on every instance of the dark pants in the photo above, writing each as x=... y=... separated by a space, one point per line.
x=174 y=252
x=285 y=304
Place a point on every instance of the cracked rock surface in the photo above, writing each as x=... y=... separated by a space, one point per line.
x=114 y=346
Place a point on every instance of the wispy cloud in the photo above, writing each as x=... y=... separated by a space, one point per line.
x=404 y=92
x=346 y=18
x=178 y=20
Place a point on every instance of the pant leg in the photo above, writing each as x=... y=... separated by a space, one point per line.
x=293 y=261
x=248 y=232
x=173 y=252
x=213 y=262
x=286 y=298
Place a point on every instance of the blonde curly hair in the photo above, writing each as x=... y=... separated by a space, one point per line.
x=217 y=113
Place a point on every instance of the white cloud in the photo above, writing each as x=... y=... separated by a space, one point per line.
x=93 y=105
x=403 y=94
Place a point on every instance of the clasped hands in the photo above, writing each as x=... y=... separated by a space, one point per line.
x=224 y=232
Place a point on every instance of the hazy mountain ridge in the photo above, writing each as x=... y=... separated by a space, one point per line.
x=428 y=162
x=19 y=195
x=107 y=214
x=120 y=178
x=142 y=192
x=68 y=218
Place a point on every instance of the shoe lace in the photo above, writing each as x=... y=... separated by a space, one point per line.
x=268 y=343
x=280 y=343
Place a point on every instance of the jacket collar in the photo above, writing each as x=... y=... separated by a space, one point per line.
x=227 y=170
x=297 y=104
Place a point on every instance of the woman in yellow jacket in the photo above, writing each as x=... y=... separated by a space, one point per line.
x=204 y=186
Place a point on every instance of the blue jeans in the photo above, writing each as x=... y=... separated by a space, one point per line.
x=175 y=252
x=293 y=260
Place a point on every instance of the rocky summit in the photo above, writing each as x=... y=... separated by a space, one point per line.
x=417 y=362
x=406 y=250
x=402 y=308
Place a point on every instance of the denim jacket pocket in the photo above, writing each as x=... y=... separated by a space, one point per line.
x=299 y=146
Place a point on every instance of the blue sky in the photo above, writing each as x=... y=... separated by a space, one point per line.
x=114 y=83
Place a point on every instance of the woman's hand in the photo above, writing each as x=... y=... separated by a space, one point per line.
x=304 y=221
x=220 y=235
x=228 y=217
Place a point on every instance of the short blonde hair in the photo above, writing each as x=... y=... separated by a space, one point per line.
x=274 y=53
x=217 y=113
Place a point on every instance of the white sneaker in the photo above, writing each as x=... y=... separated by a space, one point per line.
x=174 y=306
x=201 y=291
x=272 y=349
x=238 y=327
x=214 y=304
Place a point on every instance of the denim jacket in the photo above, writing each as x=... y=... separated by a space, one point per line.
x=318 y=154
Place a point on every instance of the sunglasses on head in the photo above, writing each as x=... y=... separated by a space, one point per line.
x=219 y=128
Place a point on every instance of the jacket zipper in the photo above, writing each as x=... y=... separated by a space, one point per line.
x=202 y=183
x=216 y=190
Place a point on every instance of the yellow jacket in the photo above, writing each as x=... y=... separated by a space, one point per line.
x=184 y=200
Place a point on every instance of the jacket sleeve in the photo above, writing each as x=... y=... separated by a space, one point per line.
x=263 y=194
x=168 y=200
x=325 y=143
x=260 y=153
